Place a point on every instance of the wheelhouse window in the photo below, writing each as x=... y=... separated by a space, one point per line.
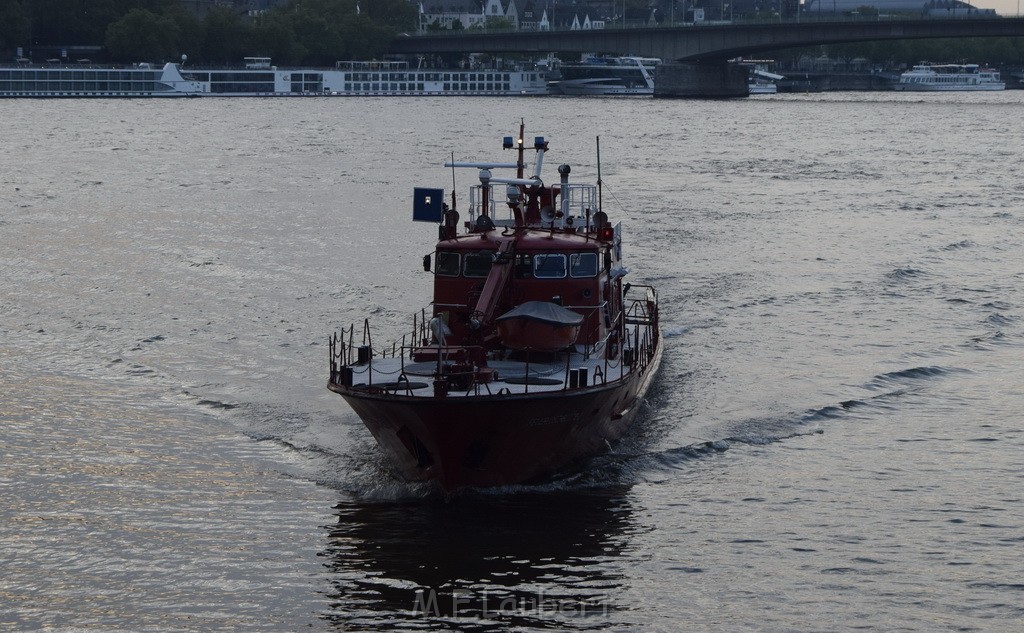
x=477 y=264
x=583 y=264
x=549 y=266
x=447 y=264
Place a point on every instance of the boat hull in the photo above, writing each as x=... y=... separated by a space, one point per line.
x=499 y=440
x=599 y=87
x=949 y=88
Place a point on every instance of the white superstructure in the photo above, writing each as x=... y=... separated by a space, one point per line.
x=264 y=80
x=947 y=77
x=607 y=76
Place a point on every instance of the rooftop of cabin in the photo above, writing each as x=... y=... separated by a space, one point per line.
x=528 y=240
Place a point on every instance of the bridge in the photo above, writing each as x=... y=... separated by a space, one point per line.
x=697 y=55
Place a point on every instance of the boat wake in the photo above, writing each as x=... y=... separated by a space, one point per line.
x=634 y=462
x=338 y=454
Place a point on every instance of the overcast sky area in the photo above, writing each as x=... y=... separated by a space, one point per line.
x=1002 y=7
x=1006 y=8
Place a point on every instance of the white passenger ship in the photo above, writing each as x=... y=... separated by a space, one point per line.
x=260 y=79
x=947 y=77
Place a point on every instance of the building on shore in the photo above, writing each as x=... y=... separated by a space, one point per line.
x=199 y=8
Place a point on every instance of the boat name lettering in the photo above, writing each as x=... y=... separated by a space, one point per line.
x=565 y=418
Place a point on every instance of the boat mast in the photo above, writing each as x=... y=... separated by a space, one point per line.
x=521 y=165
x=599 y=199
x=453 y=181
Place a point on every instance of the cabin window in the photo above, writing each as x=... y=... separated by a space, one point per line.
x=583 y=264
x=447 y=264
x=477 y=265
x=549 y=266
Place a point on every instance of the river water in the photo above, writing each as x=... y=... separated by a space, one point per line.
x=834 y=441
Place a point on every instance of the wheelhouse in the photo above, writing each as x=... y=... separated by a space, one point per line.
x=575 y=270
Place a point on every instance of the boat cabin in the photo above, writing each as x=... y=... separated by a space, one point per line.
x=569 y=270
x=498 y=274
x=571 y=261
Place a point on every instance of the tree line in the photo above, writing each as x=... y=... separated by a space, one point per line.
x=320 y=32
x=301 y=32
x=999 y=52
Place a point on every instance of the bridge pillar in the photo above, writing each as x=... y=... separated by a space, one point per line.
x=711 y=79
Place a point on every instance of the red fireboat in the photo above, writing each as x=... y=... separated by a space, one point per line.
x=534 y=354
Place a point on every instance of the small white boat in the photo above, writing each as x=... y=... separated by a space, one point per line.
x=949 y=77
x=760 y=81
x=607 y=76
x=762 y=87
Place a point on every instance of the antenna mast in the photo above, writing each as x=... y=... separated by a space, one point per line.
x=599 y=198
x=521 y=165
x=453 y=181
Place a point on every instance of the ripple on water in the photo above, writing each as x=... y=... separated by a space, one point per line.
x=834 y=440
x=128 y=514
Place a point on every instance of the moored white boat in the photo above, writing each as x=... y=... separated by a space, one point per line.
x=607 y=76
x=760 y=80
x=260 y=79
x=762 y=87
x=949 y=77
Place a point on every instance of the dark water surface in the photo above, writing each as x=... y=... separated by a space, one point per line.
x=834 y=442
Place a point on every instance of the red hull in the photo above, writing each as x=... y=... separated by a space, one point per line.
x=499 y=440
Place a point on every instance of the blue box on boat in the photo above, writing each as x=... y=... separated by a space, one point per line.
x=427 y=205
